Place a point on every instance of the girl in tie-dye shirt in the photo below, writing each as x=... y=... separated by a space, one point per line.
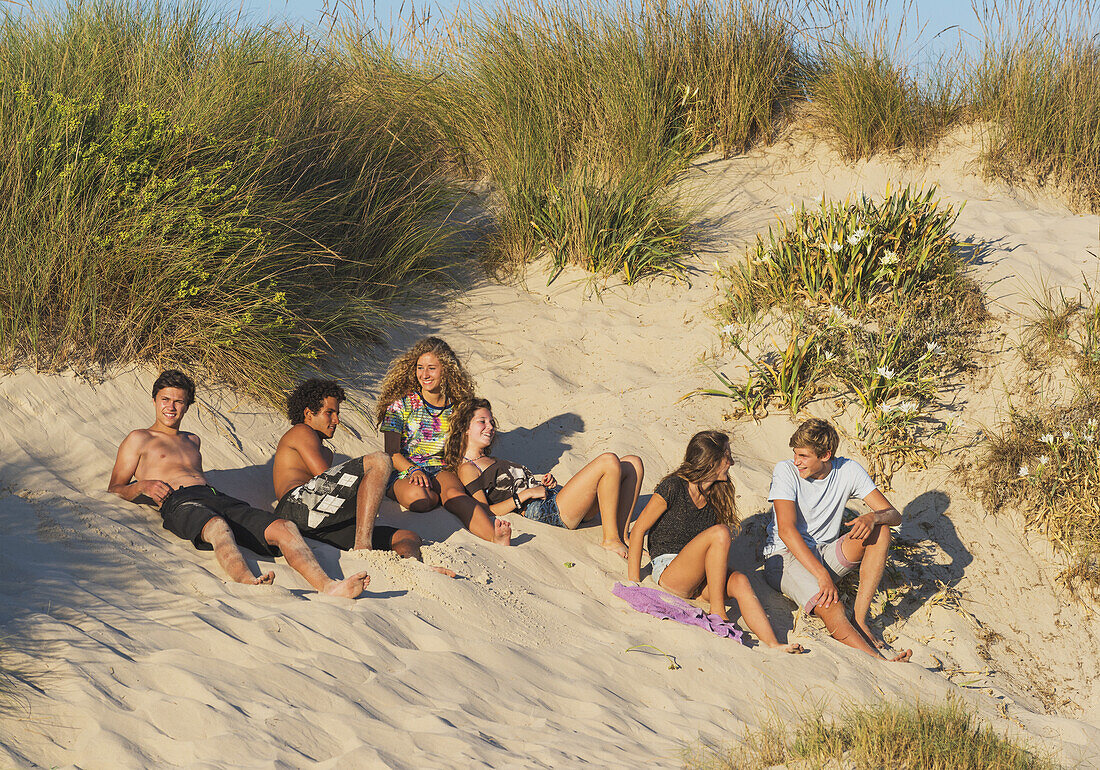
x=413 y=412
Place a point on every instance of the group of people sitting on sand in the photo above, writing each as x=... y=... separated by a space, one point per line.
x=437 y=438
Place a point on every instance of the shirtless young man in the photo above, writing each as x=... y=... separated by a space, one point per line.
x=334 y=505
x=162 y=465
x=805 y=553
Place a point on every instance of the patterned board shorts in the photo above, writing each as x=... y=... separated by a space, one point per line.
x=325 y=500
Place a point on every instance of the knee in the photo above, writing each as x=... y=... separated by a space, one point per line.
x=282 y=530
x=636 y=463
x=738 y=582
x=422 y=501
x=406 y=542
x=214 y=529
x=377 y=462
x=720 y=535
x=609 y=461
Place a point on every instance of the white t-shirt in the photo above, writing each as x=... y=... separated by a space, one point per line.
x=818 y=503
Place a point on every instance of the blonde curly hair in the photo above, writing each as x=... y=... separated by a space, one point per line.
x=400 y=379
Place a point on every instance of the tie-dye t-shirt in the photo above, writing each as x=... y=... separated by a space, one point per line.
x=423 y=429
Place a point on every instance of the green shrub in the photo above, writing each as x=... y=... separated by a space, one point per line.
x=881 y=306
x=182 y=190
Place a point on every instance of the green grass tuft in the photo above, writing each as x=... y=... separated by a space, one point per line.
x=884 y=735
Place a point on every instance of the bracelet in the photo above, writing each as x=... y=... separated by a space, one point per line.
x=516 y=500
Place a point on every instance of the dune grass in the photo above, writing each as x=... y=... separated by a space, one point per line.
x=583 y=116
x=1045 y=458
x=945 y=737
x=182 y=190
x=1039 y=89
x=865 y=103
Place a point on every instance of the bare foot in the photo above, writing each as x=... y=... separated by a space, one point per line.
x=503 y=533
x=901 y=657
x=872 y=636
x=615 y=547
x=444 y=571
x=794 y=648
x=349 y=587
x=263 y=580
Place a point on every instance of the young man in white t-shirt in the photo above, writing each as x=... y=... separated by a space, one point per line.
x=805 y=552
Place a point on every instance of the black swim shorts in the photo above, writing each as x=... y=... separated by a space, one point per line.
x=187 y=510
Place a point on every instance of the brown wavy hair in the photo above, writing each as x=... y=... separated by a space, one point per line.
x=400 y=379
x=704 y=451
x=455 y=448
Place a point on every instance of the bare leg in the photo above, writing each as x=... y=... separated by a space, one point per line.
x=631 y=487
x=704 y=558
x=740 y=590
x=414 y=497
x=406 y=544
x=473 y=515
x=595 y=487
x=376 y=472
x=873 y=552
x=284 y=535
x=228 y=553
x=836 y=622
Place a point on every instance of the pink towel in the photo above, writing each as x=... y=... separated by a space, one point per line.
x=668 y=607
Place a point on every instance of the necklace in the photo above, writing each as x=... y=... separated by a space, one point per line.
x=473 y=459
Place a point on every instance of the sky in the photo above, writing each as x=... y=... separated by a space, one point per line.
x=928 y=27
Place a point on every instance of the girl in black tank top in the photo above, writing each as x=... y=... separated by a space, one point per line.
x=607 y=486
x=688 y=521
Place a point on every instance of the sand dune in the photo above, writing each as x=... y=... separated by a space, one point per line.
x=132 y=651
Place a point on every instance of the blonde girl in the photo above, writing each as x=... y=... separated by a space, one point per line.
x=414 y=408
x=607 y=486
x=687 y=523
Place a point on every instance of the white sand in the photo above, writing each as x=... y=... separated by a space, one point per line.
x=133 y=652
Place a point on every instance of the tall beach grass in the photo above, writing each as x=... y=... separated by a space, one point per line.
x=1038 y=86
x=583 y=116
x=182 y=190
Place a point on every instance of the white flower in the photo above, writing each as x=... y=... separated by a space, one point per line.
x=821 y=245
x=1066 y=435
x=857 y=237
x=729 y=329
x=882 y=371
x=791 y=210
x=886 y=408
x=1023 y=470
x=829 y=355
x=1089 y=437
x=1047 y=438
x=889 y=258
x=908 y=407
x=839 y=314
x=1092 y=423
x=1043 y=460
x=836 y=247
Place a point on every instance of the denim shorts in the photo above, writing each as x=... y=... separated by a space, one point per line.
x=657 y=565
x=545 y=510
